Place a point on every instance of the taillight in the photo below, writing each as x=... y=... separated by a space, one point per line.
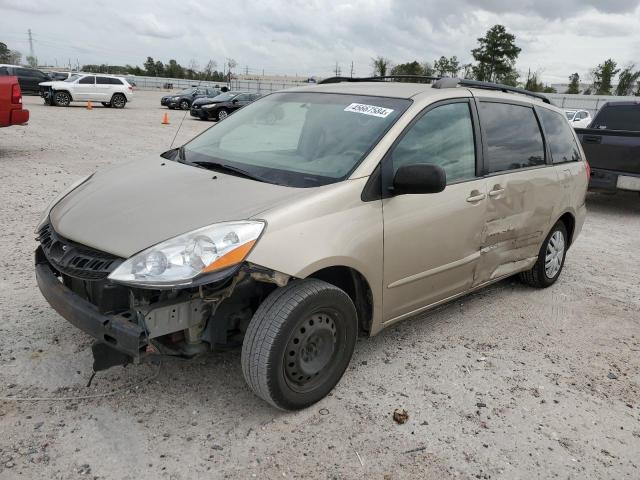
x=16 y=94
x=586 y=164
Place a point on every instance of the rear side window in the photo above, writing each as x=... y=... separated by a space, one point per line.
x=618 y=117
x=513 y=136
x=103 y=80
x=4 y=71
x=559 y=136
x=87 y=80
x=444 y=137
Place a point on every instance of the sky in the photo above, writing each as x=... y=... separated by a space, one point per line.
x=307 y=37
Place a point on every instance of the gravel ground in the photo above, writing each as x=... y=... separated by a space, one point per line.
x=509 y=382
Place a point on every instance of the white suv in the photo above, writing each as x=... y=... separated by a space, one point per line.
x=109 y=90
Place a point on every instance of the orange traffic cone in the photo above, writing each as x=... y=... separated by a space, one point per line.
x=89 y=106
x=165 y=119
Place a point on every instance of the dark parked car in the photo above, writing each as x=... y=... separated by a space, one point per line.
x=185 y=98
x=612 y=147
x=28 y=78
x=59 y=76
x=222 y=106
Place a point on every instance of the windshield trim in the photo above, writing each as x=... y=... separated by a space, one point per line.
x=356 y=165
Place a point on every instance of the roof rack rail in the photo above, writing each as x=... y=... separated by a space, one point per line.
x=442 y=82
x=384 y=78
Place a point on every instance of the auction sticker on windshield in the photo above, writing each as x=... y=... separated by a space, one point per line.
x=369 y=110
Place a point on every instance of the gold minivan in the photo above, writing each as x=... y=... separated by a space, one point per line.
x=310 y=217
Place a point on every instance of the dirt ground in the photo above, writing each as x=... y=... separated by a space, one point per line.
x=507 y=383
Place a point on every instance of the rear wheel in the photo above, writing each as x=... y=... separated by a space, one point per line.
x=61 y=99
x=299 y=343
x=118 y=100
x=550 y=261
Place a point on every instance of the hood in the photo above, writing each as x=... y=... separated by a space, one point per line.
x=205 y=101
x=48 y=84
x=133 y=206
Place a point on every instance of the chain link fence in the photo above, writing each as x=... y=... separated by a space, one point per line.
x=257 y=86
x=590 y=103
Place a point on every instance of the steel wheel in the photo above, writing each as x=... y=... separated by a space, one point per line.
x=310 y=350
x=63 y=99
x=554 y=255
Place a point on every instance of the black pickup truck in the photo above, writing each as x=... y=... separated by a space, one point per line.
x=612 y=146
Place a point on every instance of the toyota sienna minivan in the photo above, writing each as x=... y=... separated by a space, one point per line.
x=310 y=217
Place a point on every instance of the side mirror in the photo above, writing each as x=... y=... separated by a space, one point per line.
x=235 y=100
x=419 y=178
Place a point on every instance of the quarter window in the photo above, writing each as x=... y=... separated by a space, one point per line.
x=560 y=137
x=513 y=136
x=444 y=137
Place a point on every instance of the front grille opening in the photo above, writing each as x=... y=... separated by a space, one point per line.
x=76 y=260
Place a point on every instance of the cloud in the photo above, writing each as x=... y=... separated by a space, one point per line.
x=148 y=25
x=33 y=7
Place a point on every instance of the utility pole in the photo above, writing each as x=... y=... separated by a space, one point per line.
x=351 y=68
x=246 y=69
x=337 y=70
x=31 y=45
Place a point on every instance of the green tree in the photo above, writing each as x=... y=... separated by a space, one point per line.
x=627 y=80
x=4 y=53
x=603 y=76
x=381 y=66
x=159 y=68
x=410 y=68
x=32 y=61
x=447 y=67
x=574 y=84
x=496 y=56
x=549 y=89
x=428 y=69
x=533 y=84
x=150 y=67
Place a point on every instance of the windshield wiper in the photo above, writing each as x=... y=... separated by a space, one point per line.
x=223 y=167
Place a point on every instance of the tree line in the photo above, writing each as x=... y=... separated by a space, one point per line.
x=494 y=61
x=172 y=69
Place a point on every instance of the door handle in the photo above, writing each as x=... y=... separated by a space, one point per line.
x=592 y=139
x=476 y=197
x=496 y=191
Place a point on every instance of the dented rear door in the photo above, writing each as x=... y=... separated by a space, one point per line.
x=522 y=188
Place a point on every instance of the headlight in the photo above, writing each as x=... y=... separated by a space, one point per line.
x=175 y=99
x=47 y=211
x=178 y=261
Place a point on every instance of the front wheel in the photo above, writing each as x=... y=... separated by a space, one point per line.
x=550 y=261
x=222 y=114
x=61 y=99
x=299 y=343
x=118 y=100
x=185 y=105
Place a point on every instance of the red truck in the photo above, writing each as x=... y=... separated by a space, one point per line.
x=11 y=111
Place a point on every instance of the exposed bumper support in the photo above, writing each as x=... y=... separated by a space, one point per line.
x=113 y=330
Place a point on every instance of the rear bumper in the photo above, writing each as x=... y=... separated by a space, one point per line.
x=607 y=179
x=19 y=117
x=113 y=330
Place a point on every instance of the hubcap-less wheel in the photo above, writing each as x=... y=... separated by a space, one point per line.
x=184 y=105
x=554 y=255
x=118 y=101
x=222 y=114
x=310 y=350
x=62 y=99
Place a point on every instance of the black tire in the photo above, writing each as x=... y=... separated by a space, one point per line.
x=118 y=100
x=184 y=105
x=61 y=99
x=106 y=104
x=221 y=114
x=537 y=276
x=309 y=325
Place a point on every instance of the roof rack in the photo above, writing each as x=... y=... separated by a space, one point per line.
x=441 y=82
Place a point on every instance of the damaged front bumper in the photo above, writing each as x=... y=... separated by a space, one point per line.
x=115 y=331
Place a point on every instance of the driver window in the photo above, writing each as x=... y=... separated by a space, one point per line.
x=87 y=80
x=444 y=137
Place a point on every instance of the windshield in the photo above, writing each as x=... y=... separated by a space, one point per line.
x=298 y=139
x=223 y=97
x=570 y=115
x=186 y=91
x=72 y=78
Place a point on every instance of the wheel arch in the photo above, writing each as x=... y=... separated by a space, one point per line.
x=354 y=284
x=54 y=91
x=569 y=220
